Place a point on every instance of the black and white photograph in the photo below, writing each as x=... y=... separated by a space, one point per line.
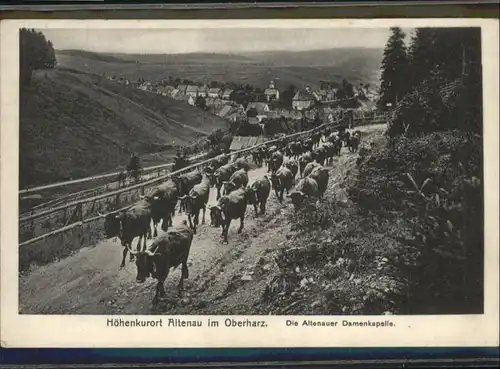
x=265 y=171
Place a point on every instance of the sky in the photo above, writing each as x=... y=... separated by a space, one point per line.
x=228 y=40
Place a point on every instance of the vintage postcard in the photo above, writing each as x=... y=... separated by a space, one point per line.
x=249 y=183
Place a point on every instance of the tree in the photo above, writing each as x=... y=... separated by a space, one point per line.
x=36 y=52
x=394 y=82
x=201 y=102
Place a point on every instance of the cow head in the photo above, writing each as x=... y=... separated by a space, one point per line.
x=216 y=216
x=229 y=187
x=297 y=198
x=251 y=195
x=112 y=225
x=146 y=264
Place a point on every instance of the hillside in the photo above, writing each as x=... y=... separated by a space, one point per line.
x=358 y=65
x=75 y=124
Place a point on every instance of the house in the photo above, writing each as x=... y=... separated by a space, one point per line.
x=226 y=95
x=289 y=114
x=271 y=93
x=165 y=90
x=243 y=142
x=174 y=93
x=182 y=89
x=304 y=99
x=225 y=111
x=327 y=94
x=214 y=92
x=203 y=91
x=192 y=90
x=213 y=102
x=260 y=107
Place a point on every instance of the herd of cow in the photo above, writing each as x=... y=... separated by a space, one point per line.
x=191 y=190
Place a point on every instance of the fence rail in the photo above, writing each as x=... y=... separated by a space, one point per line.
x=53 y=221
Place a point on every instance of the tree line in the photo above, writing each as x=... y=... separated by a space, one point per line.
x=36 y=52
x=413 y=77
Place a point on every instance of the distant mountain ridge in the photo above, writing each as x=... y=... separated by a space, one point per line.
x=358 y=65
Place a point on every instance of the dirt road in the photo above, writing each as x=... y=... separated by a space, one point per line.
x=224 y=278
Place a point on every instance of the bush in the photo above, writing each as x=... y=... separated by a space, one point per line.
x=434 y=182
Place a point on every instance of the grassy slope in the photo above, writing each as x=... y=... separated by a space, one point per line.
x=74 y=125
x=298 y=68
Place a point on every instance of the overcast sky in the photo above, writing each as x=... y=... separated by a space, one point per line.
x=228 y=40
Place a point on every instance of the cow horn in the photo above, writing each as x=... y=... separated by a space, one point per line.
x=150 y=253
x=141 y=196
x=156 y=197
x=131 y=251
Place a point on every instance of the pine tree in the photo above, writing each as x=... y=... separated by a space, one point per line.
x=421 y=55
x=394 y=83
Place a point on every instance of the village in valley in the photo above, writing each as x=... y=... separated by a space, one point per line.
x=269 y=111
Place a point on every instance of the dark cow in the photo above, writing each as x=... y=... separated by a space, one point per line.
x=241 y=163
x=229 y=207
x=282 y=180
x=185 y=183
x=257 y=159
x=304 y=160
x=353 y=143
x=258 y=193
x=275 y=162
x=216 y=164
x=309 y=168
x=129 y=224
x=319 y=154
x=316 y=137
x=292 y=165
x=307 y=188
x=321 y=176
x=331 y=150
x=294 y=149
x=195 y=201
x=308 y=145
x=344 y=136
x=222 y=175
x=164 y=200
x=237 y=180
x=169 y=250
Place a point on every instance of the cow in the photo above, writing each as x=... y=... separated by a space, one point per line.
x=258 y=193
x=316 y=137
x=237 y=180
x=167 y=251
x=129 y=224
x=229 y=207
x=256 y=156
x=195 y=201
x=164 y=200
x=330 y=151
x=307 y=188
x=292 y=165
x=309 y=168
x=308 y=145
x=275 y=162
x=319 y=154
x=344 y=137
x=321 y=176
x=241 y=163
x=217 y=163
x=221 y=175
x=304 y=160
x=294 y=149
x=282 y=180
x=185 y=183
x=353 y=143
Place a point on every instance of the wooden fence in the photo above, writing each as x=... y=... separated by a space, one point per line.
x=56 y=232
